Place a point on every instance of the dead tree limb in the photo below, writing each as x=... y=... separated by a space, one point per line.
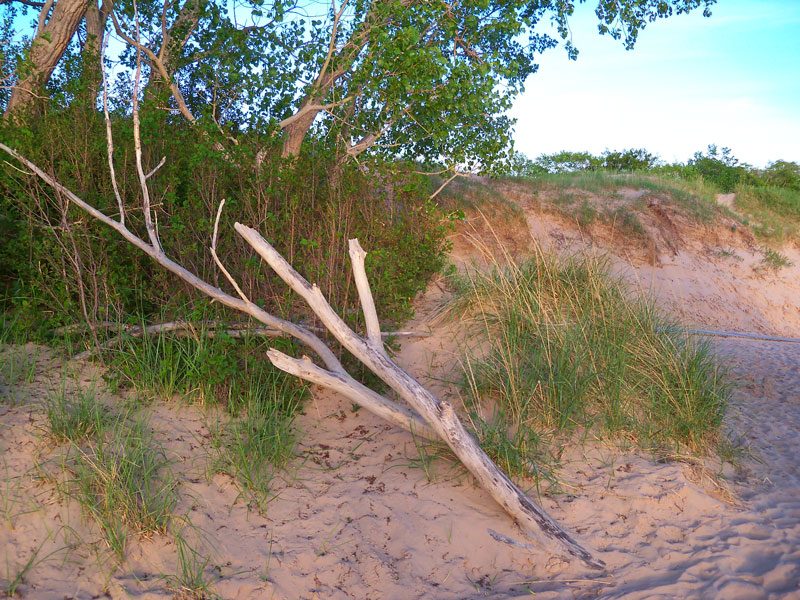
x=373 y=402
x=439 y=414
x=438 y=419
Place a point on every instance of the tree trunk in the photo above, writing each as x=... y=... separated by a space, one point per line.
x=91 y=55
x=48 y=47
x=295 y=133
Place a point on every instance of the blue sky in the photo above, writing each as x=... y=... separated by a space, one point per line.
x=732 y=80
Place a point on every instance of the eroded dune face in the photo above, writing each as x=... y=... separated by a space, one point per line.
x=371 y=513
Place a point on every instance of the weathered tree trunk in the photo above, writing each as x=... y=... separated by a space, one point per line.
x=91 y=55
x=439 y=414
x=51 y=41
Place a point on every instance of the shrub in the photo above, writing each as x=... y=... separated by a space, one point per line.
x=61 y=265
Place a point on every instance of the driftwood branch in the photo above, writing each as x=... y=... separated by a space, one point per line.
x=179 y=327
x=357 y=256
x=427 y=416
x=439 y=414
x=234 y=329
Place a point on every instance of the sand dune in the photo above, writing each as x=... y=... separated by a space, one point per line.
x=368 y=513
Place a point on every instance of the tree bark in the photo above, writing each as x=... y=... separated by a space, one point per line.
x=91 y=56
x=47 y=48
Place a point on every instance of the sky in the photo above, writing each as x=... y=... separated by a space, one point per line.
x=732 y=80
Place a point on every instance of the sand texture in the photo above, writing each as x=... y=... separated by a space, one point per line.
x=366 y=512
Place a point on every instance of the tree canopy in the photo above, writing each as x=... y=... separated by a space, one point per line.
x=395 y=77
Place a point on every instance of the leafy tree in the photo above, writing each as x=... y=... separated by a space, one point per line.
x=782 y=174
x=627 y=161
x=395 y=77
x=719 y=167
x=522 y=166
x=568 y=162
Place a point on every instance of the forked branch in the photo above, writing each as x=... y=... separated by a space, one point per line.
x=438 y=419
x=439 y=414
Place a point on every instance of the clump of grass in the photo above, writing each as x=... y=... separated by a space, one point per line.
x=122 y=481
x=75 y=417
x=193 y=578
x=261 y=440
x=774 y=260
x=626 y=221
x=203 y=368
x=727 y=253
x=559 y=346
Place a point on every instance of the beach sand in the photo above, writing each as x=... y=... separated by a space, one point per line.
x=367 y=512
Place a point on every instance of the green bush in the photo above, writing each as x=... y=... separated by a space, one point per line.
x=60 y=265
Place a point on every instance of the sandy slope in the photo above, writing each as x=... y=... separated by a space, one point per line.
x=359 y=517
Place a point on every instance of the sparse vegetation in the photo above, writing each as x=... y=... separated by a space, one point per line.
x=17 y=362
x=767 y=200
x=261 y=440
x=193 y=579
x=774 y=260
x=773 y=213
x=122 y=481
x=559 y=348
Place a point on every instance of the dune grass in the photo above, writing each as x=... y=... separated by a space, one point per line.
x=261 y=439
x=559 y=348
x=116 y=470
x=695 y=196
x=258 y=437
x=75 y=417
x=773 y=213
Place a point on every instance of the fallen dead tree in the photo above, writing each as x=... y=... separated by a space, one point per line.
x=427 y=416
x=438 y=419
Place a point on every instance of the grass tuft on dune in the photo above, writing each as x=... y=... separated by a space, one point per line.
x=558 y=347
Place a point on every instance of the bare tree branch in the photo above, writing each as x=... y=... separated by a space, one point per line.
x=357 y=256
x=439 y=414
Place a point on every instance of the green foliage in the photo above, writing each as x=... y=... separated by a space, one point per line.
x=559 y=346
x=775 y=260
x=629 y=161
x=719 y=167
x=624 y=161
x=208 y=367
x=307 y=208
x=568 y=162
x=409 y=75
x=782 y=174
